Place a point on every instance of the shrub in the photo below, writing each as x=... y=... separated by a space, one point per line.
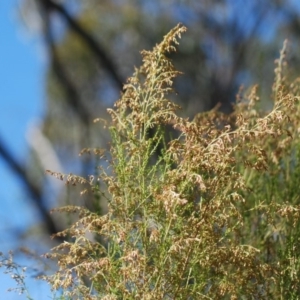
x=214 y=215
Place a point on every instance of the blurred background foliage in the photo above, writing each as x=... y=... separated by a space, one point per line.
x=92 y=47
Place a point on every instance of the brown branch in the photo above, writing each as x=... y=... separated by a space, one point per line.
x=88 y=39
x=72 y=95
x=33 y=190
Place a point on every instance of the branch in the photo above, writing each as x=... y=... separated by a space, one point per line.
x=66 y=83
x=33 y=190
x=88 y=39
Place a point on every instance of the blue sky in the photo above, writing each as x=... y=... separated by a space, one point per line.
x=21 y=85
x=21 y=102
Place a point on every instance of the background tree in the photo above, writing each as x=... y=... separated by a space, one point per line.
x=92 y=46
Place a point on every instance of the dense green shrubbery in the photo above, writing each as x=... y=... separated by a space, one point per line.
x=214 y=216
